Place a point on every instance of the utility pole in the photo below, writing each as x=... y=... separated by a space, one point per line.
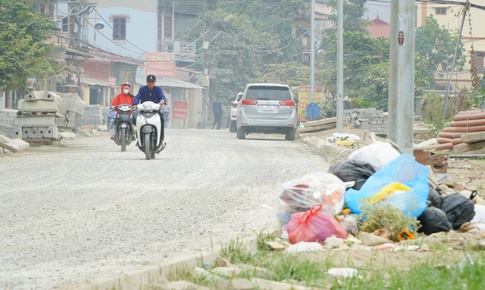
x=312 y=51
x=401 y=75
x=340 y=66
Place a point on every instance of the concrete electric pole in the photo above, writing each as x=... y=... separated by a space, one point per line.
x=401 y=75
x=340 y=66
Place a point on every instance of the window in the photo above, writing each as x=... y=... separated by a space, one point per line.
x=65 y=24
x=119 y=27
x=440 y=11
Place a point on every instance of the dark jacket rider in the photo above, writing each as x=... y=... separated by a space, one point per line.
x=152 y=93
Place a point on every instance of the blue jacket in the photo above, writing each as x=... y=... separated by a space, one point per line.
x=217 y=108
x=144 y=94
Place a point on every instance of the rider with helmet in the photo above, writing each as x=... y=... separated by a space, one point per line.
x=152 y=93
x=125 y=97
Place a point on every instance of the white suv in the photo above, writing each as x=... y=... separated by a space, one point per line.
x=233 y=112
x=267 y=108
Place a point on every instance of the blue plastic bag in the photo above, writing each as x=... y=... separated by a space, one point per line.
x=404 y=169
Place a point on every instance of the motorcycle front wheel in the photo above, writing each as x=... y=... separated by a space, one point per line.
x=123 y=139
x=148 y=154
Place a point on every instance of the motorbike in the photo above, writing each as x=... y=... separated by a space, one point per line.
x=148 y=129
x=124 y=126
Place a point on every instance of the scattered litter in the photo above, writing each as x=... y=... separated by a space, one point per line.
x=343 y=272
x=304 y=247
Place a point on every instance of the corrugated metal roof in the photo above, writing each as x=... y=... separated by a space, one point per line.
x=97 y=68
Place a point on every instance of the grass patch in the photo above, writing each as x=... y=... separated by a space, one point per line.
x=463 y=269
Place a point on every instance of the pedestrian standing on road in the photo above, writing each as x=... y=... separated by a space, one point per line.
x=217 y=110
x=152 y=93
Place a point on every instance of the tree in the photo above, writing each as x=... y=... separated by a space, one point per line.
x=366 y=63
x=232 y=56
x=291 y=73
x=353 y=12
x=24 y=45
x=259 y=33
x=436 y=45
x=365 y=59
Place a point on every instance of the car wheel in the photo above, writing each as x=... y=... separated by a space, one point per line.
x=290 y=134
x=233 y=126
x=241 y=133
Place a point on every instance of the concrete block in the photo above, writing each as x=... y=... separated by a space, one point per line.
x=34 y=96
x=48 y=132
x=36 y=121
x=38 y=106
x=33 y=133
x=42 y=96
x=8 y=112
x=52 y=96
x=25 y=133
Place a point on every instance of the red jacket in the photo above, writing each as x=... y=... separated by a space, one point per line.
x=122 y=98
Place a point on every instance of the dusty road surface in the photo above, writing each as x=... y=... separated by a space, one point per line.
x=83 y=209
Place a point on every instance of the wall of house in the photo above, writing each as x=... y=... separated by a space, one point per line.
x=452 y=20
x=141 y=26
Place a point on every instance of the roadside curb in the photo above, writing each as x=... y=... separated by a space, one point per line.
x=154 y=273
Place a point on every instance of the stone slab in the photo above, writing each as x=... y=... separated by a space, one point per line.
x=473 y=137
x=13 y=145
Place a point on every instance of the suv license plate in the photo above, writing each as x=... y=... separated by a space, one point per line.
x=268 y=108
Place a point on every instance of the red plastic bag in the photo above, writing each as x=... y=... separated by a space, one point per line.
x=313 y=226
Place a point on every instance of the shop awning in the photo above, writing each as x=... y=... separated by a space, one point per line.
x=176 y=83
x=93 y=82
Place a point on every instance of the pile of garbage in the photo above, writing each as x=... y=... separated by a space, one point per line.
x=375 y=192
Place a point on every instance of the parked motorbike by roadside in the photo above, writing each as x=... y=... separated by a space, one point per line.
x=123 y=126
x=149 y=129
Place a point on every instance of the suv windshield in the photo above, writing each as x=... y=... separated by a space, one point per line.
x=268 y=93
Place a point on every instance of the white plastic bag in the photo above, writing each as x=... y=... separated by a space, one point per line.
x=315 y=188
x=378 y=153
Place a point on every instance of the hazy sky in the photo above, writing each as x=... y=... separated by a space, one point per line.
x=381 y=8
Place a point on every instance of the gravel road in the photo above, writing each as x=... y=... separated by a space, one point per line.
x=83 y=209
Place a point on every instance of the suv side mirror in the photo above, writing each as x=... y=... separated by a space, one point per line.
x=296 y=100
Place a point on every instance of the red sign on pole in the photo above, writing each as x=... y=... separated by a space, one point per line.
x=179 y=110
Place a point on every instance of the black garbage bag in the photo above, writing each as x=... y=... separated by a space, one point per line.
x=458 y=208
x=434 y=197
x=353 y=170
x=433 y=220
